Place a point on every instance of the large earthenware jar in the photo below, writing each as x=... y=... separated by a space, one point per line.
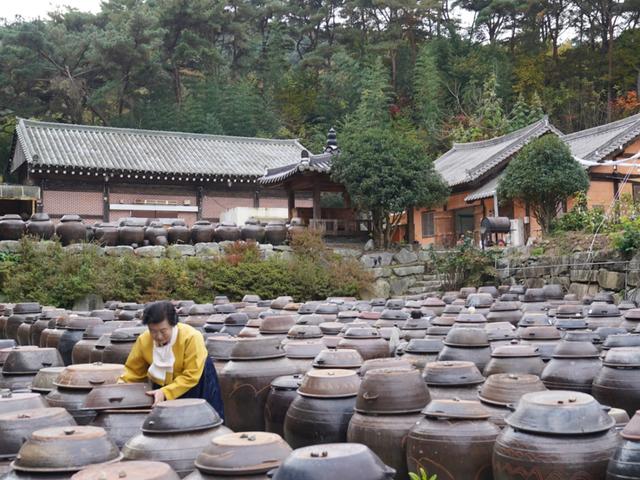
x=179 y=232
x=11 y=227
x=276 y=233
x=40 y=226
x=573 y=366
x=202 y=232
x=131 y=232
x=323 y=408
x=447 y=380
x=454 y=440
x=106 y=234
x=175 y=432
x=253 y=230
x=351 y=461
x=227 y=232
x=616 y=384
x=367 y=341
x=246 y=379
x=555 y=434
x=71 y=229
x=515 y=358
x=242 y=456
x=625 y=462
x=388 y=405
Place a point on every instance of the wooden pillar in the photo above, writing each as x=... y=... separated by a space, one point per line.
x=256 y=198
x=291 y=197
x=105 y=200
x=411 y=225
x=317 y=212
x=199 y=201
x=40 y=202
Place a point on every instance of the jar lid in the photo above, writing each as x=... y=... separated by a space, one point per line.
x=452 y=373
x=456 y=409
x=330 y=383
x=506 y=388
x=559 y=412
x=131 y=470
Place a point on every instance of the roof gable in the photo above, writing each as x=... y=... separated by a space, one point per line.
x=122 y=149
x=466 y=162
x=597 y=143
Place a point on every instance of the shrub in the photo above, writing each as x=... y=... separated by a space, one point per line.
x=627 y=239
x=464 y=265
x=580 y=218
x=52 y=275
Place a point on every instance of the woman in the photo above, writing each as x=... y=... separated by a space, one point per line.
x=174 y=357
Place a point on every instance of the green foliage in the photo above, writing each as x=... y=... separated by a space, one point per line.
x=627 y=239
x=383 y=165
x=52 y=275
x=543 y=174
x=580 y=218
x=463 y=265
x=423 y=475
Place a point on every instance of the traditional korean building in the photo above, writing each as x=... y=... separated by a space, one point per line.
x=473 y=171
x=310 y=176
x=105 y=173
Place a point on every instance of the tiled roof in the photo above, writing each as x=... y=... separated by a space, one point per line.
x=106 y=148
x=466 y=162
x=314 y=163
x=487 y=190
x=597 y=143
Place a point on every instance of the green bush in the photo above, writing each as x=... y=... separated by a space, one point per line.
x=52 y=275
x=627 y=239
x=463 y=265
x=580 y=218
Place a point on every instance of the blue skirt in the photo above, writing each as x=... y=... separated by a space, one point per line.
x=207 y=388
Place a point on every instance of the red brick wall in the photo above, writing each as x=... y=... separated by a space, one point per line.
x=213 y=206
x=57 y=203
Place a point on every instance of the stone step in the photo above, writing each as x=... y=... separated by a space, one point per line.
x=429 y=278
x=420 y=290
x=434 y=284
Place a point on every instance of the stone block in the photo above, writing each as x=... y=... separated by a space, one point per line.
x=176 y=251
x=380 y=289
x=84 y=247
x=406 y=271
x=207 y=249
x=381 y=272
x=153 y=251
x=347 y=252
x=584 y=276
x=9 y=246
x=405 y=256
x=282 y=248
x=611 y=280
x=376 y=259
x=582 y=289
x=369 y=246
x=119 y=251
x=534 y=282
x=43 y=246
x=400 y=285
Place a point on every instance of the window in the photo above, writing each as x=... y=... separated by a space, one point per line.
x=428 y=227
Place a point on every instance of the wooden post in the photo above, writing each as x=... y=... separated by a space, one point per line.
x=291 y=196
x=105 y=200
x=317 y=212
x=256 y=198
x=411 y=227
x=199 y=199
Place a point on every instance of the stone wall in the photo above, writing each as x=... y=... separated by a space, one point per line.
x=580 y=272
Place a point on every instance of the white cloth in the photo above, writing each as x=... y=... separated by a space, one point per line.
x=163 y=358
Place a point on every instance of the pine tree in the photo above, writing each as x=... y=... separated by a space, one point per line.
x=427 y=90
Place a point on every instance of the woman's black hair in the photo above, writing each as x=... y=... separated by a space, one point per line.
x=158 y=312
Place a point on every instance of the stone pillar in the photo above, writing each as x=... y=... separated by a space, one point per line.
x=105 y=200
x=199 y=199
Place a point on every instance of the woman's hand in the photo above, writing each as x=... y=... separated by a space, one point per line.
x=158 y=396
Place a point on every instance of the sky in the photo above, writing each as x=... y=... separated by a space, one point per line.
x=38 y=8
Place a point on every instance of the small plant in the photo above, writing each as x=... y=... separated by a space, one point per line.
x=627 y=239
x=580 y=218
x=465 y=264
x=423 y=476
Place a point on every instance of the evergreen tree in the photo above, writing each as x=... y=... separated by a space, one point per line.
x=428 y=91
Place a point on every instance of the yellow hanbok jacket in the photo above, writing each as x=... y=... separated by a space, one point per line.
x=190 y=353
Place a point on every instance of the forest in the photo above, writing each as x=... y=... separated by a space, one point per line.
x=295 y=68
